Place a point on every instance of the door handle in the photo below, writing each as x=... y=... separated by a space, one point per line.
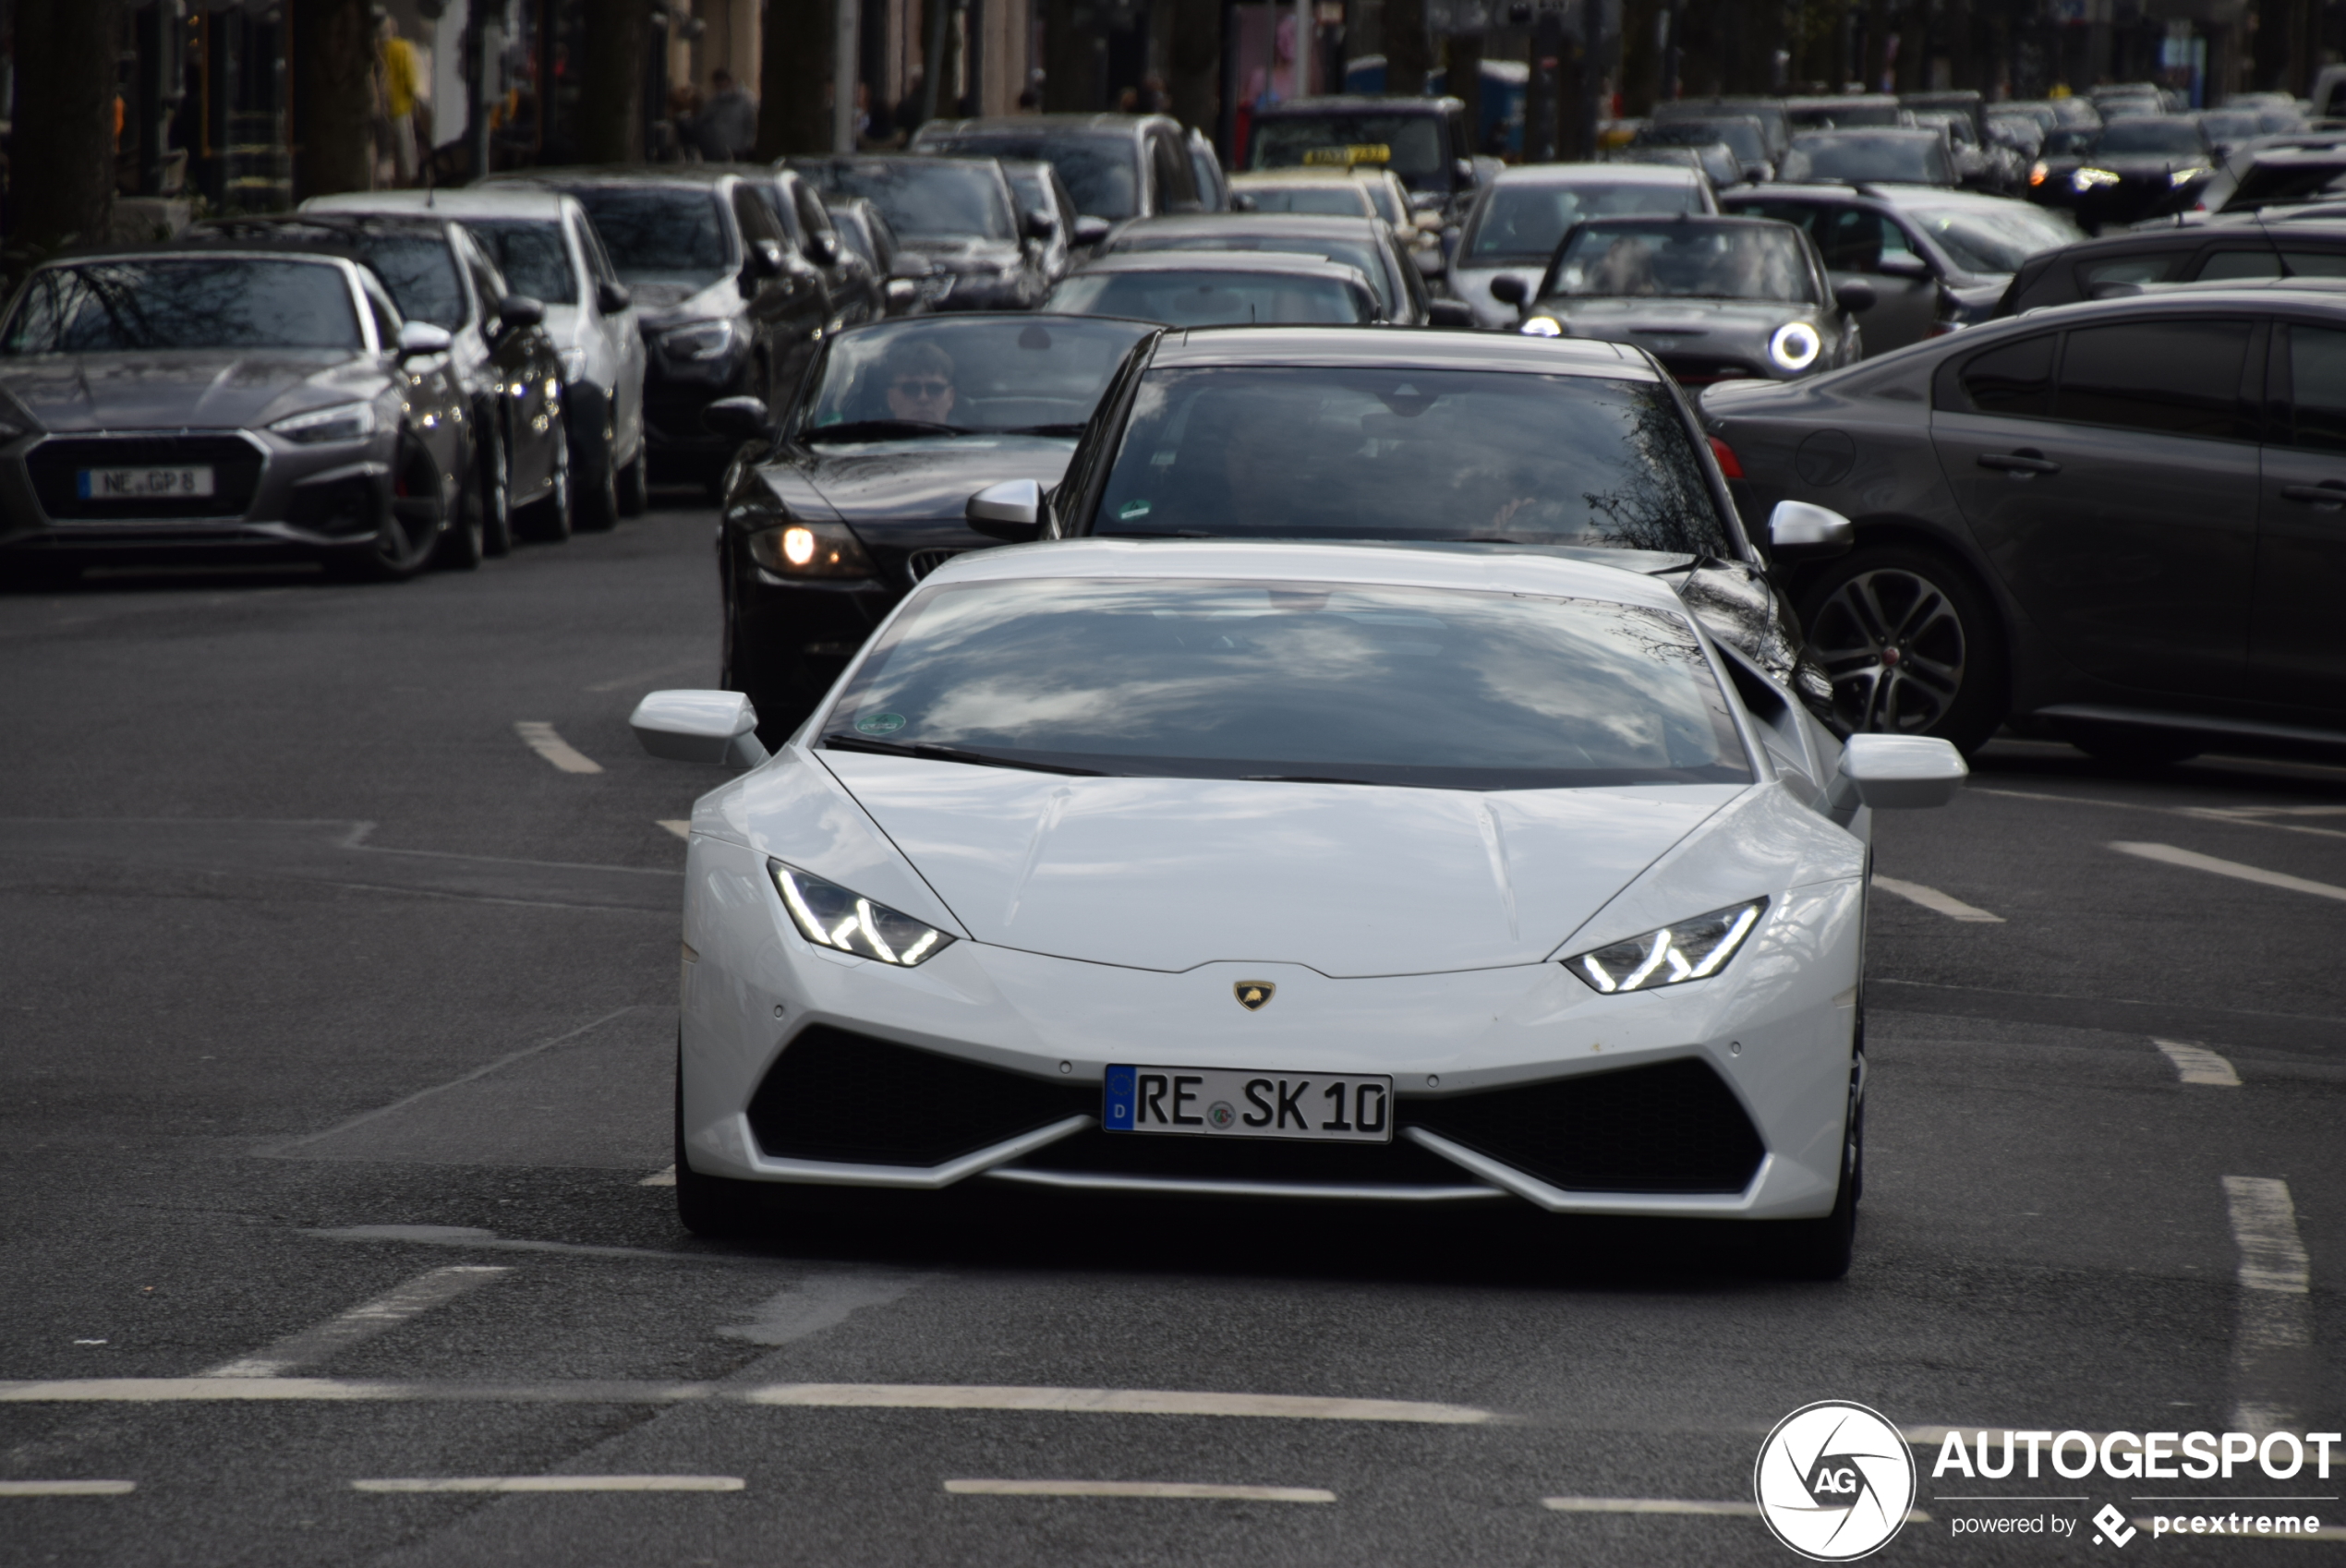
x=2329 y=492
x=2022 y=462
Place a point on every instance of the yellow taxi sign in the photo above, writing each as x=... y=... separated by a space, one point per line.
x=1359 y=152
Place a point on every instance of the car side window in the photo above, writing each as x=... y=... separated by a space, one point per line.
x=1855 y=239
x=385 y=313
x=2013 y=381
x=2177 y=377
x=2317 y=389
x=2261 y=262
x=1175 y=190
x=598 y=261
x=756 y=222
x=2156 y=267
x=812 y=219
x=488 y=283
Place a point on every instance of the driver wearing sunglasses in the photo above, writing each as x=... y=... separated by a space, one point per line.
x=920 y=384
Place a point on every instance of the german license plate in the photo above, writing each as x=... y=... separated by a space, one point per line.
x=1235 y=1103
x=144 y=484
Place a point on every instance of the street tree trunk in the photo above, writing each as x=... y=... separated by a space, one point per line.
x=610 y=81
x=1408 y=53
x=1640 y=57
x=1195 y=84
x=1070 y=63
x=333 y=97
x=61 y=151
x=1462 y=73
x=794 y=79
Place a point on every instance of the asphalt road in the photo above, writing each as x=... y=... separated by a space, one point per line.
x=321 y=987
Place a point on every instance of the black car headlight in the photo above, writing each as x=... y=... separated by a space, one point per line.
x=830 y=916
x=1692 y=949
x=811 y=550
x=1795 y=347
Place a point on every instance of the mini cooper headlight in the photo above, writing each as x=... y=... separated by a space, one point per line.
x=811 y=550
x=343 y=422
x=830 y=916
x=1692 y=949
x=2084 y=180
x=1795 y=346
x=1541 y=327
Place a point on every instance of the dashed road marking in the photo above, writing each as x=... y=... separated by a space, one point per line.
x=838 y=1396
x=2197 y=1064
x=682 y=828
x=2168 y=854
x=364 y=1321
x=1934 y=900
x=1672 y=1506
x=66 y=1488
x=551 y=1483
x=2273 y=1347
x=664 y=1177
x=2241 y=816
x=539 y=737
x=1139 y=1488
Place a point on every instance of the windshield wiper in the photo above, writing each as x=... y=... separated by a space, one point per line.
x=882 y=430
x=842 y=741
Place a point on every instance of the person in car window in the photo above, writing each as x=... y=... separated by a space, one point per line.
x=919 y=378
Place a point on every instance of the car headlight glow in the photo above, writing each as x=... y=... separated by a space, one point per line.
x=2037 y=171
x=830 y=916
x=1795 y=346
x=811 y=550
x=2183 y=176
x=2084 y=180
x=1692 y=949
x=1541 y=327
x=698 y=340
x=343 y=422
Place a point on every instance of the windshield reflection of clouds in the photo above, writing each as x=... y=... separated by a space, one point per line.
x=1396 y=685
x=124 y=307
x=1317 y=452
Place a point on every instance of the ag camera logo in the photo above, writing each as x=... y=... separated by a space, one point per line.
x=1834 y=1481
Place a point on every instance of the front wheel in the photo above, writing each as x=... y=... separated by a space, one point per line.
x=1911 y=645
x=494 y=492
x=550 y=520
x=1821 y=1248
x=598 y=486
x=407 y=530
x=636 y=481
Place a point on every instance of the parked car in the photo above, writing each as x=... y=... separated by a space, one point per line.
x=860 y=490
x=545 y=246
x=1935 y=260
x=1920 y=155
x=2136 y=167
x=1521 y=218
x=206 y=402
x=1206 y=288
x=727 y=306
x=1365 y=243
x=1982 y=162
x=852 y=294
x=1741 y=134
x=2114 y=523
x=1847 y=111
x=1206 y=172
x=1775 y=125
x=499 y=354
x=959 y=214
x=2121 y=264
x=1038 y=189
x=1424 y=140
x=1328 y=193
x=1714 y=160
x=1713 y=298
x=1117 y=166
x=864 y=229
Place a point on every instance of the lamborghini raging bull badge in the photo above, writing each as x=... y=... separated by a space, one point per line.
x=1252 y=993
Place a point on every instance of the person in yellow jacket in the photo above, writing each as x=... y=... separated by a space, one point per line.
x=399 y=86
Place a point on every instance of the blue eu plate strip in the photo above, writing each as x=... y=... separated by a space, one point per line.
x=1116 y=1104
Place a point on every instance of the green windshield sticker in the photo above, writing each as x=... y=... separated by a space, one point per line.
x=880 y=723
x=1131 y=510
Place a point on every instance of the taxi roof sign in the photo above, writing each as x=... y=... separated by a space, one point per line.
x=1358 y=153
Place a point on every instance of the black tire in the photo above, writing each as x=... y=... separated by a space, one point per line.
x=494 y=490
x=19 y=575
x=596 y=507
x=406 y=533
x=636 y=481
x=712 y=1206
x=465 y=541
x=2129 y=747
x=1911 y=643
x=548 y=519
x=1821 y=1248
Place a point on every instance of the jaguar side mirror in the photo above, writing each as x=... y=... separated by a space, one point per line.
x=1011 y=511
x=716 y=728
x=1799 y=530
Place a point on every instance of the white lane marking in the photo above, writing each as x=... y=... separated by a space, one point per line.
x=1139 y=1488
x=664 y=1177
x=471 y=1240
x=1934 y=900
x=682 y=828
x=66 y=1488
x=641 y=676
x=2243 y=816
x=2197 y=1064
x=1672 y=1506
x=541 y=738
x=2275 y=1339
x=849 y=1396
x=551 y=1483
x=504 y=1061
x=820 y=1300
x=2192 y=860
x=364 y=1321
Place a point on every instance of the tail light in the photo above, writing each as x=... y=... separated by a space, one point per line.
x=1726 y=456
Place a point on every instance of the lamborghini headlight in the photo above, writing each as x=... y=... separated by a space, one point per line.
x=1795 y=346
x=830 y=916
x=1541 y=327
x=1692 y=949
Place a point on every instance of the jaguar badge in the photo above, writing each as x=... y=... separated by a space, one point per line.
x=1252 y=993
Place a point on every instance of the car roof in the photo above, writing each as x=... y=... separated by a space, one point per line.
x=1400 y=348
x=2324 y=293
x=1283 y=261
x=1887 y=192
x=1600 y=173
x=1316 y=225
x=1300 y=174
x=1356 y=103
x=1252 y=560
x=474 y=202
x=177 y=250
x=1812 y=133
x=1055 y=124
x=697 y=176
